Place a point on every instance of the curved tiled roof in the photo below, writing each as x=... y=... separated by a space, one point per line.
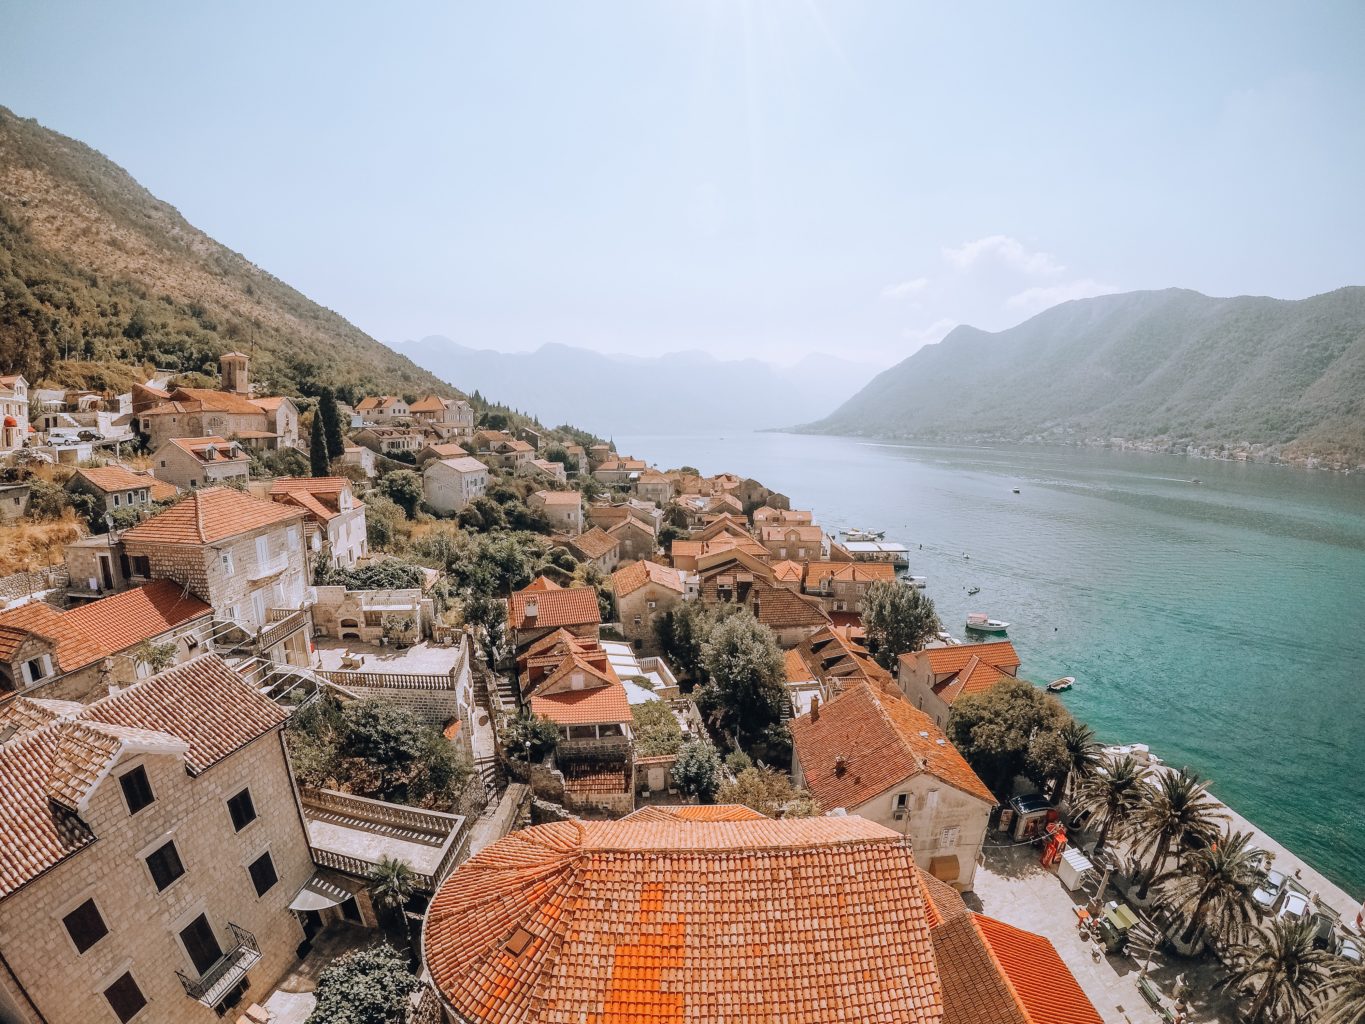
x=653 y=921
x=209 y=515
x=632 y=577
x=576 y=606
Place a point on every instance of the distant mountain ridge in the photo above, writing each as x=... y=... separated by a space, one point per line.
x=677 y=392
x=1166 y=369
x=99 y=278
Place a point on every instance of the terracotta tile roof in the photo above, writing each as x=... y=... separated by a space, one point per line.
x=210 y=449
x=695 y=812
x=431 y=403
x=160 y=490
x=576 y=606
x=632 y=577
x=658 y=922
x=594 y=705
x=311 y=484
x=794 y=532
x=945 y=902
x=113 y=478
x=209 y=515
x=542 y=583
x=788 y=571
x=943 y=660
x=201 y=710
x=216 y=401
x=797 y=669
x=594 y=543
x=883 y=741
x=270 y=403
x=319 y=496
x=848 y=572
x=976 y=677
x=559 y=497
x=447 y=451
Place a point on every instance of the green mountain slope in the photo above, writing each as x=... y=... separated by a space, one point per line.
x=97 y=276
x=1168 y=367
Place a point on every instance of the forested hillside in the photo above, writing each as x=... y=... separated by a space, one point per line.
x=1171 y=367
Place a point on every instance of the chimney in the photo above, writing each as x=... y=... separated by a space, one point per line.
x=815 y=708
x=840 y=766
x=532 y=606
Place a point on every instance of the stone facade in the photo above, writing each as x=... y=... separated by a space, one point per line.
x=173 y=464
x=638 y=610
x=13 y=412
x=451 y=484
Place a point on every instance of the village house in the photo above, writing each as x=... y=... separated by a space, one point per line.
x=258 y=423
x=361 y=614
x=380 y=409
x=686 y=555
x=242 y=555
x=14 y=422
x=769 y=516
x=837 y=657
x=564 y=510
x=336 y=520
x=645 y=591
x=637 y=539
x=607 y=515
x=653 y=486
x=117 y=488
x=735 y=577
x=932 y=679
x=543 y=469
x=361 y=458
x=871 y=753
x=789 y=574
x=150 y=850
x=798 y=543
x=620 y=472
x=510 y=454
x=597 y=547
x=439 y=450
x=13 y=502
x=446 y=417
x=532 y=437
x=841 y=586
x=79 y=654
x=832 y=917
x=193 y=462
x=389 y=440
x=451 y=484
x=484 y=441
x=578 y=457
x=544 y=606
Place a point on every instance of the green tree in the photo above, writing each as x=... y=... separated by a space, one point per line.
x=487 y=617
x=1111 y=796
x=331 y=424
x=1173 y=815
x=46 y=500
x=392 y=883
x=1083 y=755
x=540 y=733
x=157 y=657
x=557 y=453
x=1282 y=971
x=655 y=728
x=744 y=664
x=382 y=732
x=898 y=619
x=1212 y=890
x=404 y=488
x=1012 y=729
x=697 y=770
x=768 y=792
x=366 y=986
x=317 y=449
x=382 y=519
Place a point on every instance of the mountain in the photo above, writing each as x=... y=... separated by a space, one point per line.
x=1165 y=368
x=676 y=393
x=100 y=279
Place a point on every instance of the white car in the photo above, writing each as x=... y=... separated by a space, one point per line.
x=1294 y=907
x=1350 y=948
x=1269 y=890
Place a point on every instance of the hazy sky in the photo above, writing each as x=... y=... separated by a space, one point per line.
x=748 y=178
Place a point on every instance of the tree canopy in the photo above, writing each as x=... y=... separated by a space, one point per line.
x=898 y=620
x=1012 y=729
x=744 y=666
x=365 y=986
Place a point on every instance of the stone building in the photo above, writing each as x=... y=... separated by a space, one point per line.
x=543 y=606
x=150 y=848
x=597 y=547
x=336 y=520
x=231 y=411
x=841 y=586
x=564 y=510
x=451 y=484
x=445 y=417
x=389 y=440
x=115 y=487
x=644 y=591
x=193 y=462
x=872 y=754
x=14 y=420
x=932 y=679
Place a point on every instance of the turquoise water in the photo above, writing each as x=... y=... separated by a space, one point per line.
x=1223 y=623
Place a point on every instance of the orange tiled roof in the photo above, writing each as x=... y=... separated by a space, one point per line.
x=942 y=660
x=695 y=812
x=198 y=448
x=976 y=677
x=311 y=484
x=209 y=515
x=797 y=669
x=594 y=543
x=201 y=709
x=597 y=704
x=632 y=577
x=431 y=403
x=96 y=630
x=848 y=572
x=663 y=922
x=269 y=403
x=216 y=401
x=793 y=532
x=449 y=450
x=883 y=741
x=788 y=571
x=114 y=478
x=576 y=606
x=559 y=497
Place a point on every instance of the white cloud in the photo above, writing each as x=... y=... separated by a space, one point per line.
x=1004 y=250
x=931 y=335
x=900 y=291
x=1035 y=300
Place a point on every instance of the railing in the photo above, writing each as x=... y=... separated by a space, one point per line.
x=277 y=631
x=226 y=972
x=390 y=680
x=379 y=812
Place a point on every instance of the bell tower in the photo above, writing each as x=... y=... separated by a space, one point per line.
x=234 y=371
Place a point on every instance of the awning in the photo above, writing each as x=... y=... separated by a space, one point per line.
x=945 y=869
x=319 y=894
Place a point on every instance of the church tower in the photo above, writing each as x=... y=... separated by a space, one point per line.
x=234 y=369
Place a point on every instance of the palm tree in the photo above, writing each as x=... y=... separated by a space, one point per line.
x=1169 y=815
x=1083 y=756
x=1111 y=795
x=1283 y=969
x=1212 y=889
x=391 y=885
x=1345 y=992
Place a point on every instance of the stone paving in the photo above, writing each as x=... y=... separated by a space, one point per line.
x=420 y=659
x=1013 y=887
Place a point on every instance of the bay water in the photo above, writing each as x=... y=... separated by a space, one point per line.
x=1220 y=622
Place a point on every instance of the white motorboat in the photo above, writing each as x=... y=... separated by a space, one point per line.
x=1061 y=685
x=979 y=623
x=864 y=535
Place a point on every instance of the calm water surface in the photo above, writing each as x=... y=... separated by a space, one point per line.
x=1223 y=623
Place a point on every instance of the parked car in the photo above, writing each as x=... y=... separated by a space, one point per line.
x=1350 y=948
x=1293 y=906
x=1325 y=932
x=1269 y=890
x=90 y=435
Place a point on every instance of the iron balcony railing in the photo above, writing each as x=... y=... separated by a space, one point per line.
x=225 y=974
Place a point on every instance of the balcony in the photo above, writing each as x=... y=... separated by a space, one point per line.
x=225 y=975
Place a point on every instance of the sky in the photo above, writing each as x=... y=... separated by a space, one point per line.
x=767 y=179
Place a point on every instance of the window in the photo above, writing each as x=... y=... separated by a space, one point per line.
x=125 y=998
x=262 y=552
x=263 y=875
x=137 y=791
x=85 y=926
x=948 y=837
x=293 y=538
x=227 y=562
x=201 y=944
x=901 y=800
x=142 y=565
x=243 y=811
x=165 y=866
x=38 y=668
x=116 y=501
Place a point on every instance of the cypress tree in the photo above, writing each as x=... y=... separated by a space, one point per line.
x=331 y=424
x=317 y=449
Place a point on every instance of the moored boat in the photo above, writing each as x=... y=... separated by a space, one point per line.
x=1059 y=685
x=973 y=590
x=979 y=623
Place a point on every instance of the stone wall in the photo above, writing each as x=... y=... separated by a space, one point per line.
x=22 y=584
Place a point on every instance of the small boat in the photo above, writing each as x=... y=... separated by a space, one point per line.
x=978 y=623
x=1016 y=490
x=1060 y=685
x=864 y=535
x=973 y=590
x=918 y=582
